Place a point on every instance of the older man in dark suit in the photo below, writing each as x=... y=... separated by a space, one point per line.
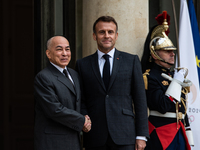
x=57 y=95
x=111 y=83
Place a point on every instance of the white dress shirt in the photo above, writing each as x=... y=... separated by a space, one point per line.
x=102 y=61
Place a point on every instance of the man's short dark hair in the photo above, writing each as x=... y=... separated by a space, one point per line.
x=104 y=19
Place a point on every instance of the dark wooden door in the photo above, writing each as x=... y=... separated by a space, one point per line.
x=17 y=75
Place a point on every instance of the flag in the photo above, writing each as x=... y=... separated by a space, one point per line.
x=188 y=60
x=195 y=33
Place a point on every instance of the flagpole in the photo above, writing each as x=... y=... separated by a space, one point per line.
x=176 y=29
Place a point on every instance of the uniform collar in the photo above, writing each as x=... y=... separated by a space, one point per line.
x=161 y=68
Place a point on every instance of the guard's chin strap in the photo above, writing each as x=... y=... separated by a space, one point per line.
x=159 y=58
x=166 y=62
x=156 y=55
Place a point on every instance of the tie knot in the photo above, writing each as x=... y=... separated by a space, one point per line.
x=106 y=57
x=65 y=72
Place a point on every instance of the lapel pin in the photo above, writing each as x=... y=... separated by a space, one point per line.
x=117 y=58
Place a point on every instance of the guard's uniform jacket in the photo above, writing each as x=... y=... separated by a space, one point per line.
x=162 y=125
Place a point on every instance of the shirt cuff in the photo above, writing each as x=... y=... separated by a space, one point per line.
x=171 y=98
x=141 y=138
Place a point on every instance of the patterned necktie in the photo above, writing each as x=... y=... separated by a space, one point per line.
x=106 y=71
x=66 y=74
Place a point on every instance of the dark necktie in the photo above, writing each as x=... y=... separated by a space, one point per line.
x=66 y=74
x=106 y=71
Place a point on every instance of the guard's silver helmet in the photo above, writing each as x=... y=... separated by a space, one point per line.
x=160 y=41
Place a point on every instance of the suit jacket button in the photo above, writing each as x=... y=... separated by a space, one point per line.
x=107 y=96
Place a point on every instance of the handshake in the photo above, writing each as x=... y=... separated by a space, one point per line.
x=87 y=124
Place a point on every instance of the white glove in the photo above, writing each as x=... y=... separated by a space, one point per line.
x=179 y=75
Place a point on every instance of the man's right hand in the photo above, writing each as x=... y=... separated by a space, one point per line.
x=87 y=124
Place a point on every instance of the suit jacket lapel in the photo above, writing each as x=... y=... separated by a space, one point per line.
x=95 y=67
x=116 y=65
x=67 y=83
x=61 y=78
x=76 y=82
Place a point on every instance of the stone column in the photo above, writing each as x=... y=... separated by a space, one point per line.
x=132 y=19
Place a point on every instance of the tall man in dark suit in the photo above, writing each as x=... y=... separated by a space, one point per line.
x=57 y=95
x=111 y=84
